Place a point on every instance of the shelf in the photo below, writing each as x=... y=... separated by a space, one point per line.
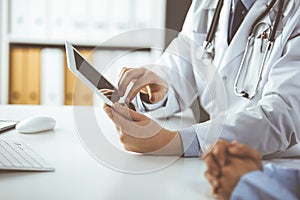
x=135 y=39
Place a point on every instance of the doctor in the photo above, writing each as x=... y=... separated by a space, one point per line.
x=250 y=95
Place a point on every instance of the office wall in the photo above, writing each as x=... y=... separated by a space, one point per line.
x=176 y=11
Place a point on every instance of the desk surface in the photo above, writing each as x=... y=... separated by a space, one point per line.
x=79 y=176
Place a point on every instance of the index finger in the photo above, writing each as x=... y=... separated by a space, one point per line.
x=129 y=76
x=220 y=151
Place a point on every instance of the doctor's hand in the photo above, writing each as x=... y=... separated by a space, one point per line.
x=152 y=87
x=140 y=134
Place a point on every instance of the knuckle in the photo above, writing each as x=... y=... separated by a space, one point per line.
x=128 y=148
x=143 y=69
x=123 y=138
x=257 y=155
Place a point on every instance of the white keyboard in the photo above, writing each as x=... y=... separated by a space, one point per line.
x=15 y=155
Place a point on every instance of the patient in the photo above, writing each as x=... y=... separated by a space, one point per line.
x=239 y=174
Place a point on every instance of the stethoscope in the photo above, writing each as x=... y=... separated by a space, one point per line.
x=209 y=49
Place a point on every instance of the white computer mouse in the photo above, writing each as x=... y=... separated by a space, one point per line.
x=36 y=124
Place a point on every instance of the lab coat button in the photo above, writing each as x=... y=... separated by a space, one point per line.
x=224 y=78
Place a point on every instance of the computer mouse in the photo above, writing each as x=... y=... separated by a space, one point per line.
x=36 y=124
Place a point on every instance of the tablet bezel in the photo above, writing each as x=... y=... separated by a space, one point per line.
x=72 y=67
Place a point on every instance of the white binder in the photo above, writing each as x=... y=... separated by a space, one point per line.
x=99 y=25
x=19 y=18
x=52 y=76
x=58 y=20
x=121 y=14
x=77 y=18
x=37 y=19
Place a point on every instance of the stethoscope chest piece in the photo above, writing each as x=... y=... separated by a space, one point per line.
x=206 y=53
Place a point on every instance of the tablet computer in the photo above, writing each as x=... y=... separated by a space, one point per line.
x=87 y=73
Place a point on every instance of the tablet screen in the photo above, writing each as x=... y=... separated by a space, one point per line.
x=91 y=73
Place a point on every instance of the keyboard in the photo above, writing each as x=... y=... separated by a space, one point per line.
x=15 y=155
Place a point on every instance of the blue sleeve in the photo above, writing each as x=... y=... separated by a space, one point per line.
x=274 y=183
x=190 y=142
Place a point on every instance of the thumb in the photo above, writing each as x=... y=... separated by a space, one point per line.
x=154 y=95
x=150 y=94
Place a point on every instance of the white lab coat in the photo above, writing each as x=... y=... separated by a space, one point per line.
x=270 y=122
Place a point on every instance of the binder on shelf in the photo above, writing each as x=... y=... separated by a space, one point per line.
x=32 y=71
x=24 y=79
x=19 y=18
x=52 y=76
x=37 y=22
x=16 y=78
x=99 y=25
x=121 y=14
x=77 y=18
x=58 y=20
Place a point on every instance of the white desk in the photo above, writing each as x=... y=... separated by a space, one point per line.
x=79 y=176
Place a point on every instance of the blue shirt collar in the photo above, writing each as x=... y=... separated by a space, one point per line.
x=247 y=3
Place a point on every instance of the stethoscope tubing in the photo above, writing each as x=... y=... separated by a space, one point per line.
x=212 y=31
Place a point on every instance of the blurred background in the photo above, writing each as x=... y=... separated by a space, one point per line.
x=32 y=58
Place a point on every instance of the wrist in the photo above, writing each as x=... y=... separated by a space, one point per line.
x=169 y=143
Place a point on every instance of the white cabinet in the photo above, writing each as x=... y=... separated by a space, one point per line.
x=87 y=23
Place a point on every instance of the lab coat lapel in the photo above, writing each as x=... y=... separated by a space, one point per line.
x=212 y=4
x=238 y=43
